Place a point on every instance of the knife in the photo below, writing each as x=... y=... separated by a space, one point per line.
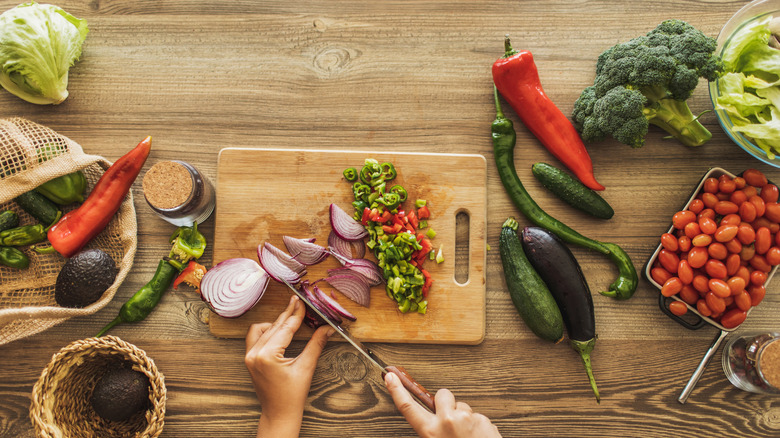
x=417 y=390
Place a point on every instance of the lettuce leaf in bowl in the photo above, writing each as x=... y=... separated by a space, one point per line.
x=38 y=45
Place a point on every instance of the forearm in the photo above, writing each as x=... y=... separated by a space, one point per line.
x=279 y=428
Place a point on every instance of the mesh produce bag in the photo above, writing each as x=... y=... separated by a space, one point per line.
x=31 y=154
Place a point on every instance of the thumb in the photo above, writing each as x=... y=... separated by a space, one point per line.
x=415 y=415
x=311 y=353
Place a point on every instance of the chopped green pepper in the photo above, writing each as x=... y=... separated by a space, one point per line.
x=65 y=189
x=400 y=191
x=350 y=174
x=388 y=171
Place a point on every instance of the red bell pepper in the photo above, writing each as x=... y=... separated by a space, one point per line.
x=191 y=275
x=517 y=79
x=77 y=227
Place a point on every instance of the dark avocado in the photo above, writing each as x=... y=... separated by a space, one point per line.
x=120 y=393
x=84 y=278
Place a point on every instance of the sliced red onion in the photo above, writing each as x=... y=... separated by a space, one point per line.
x=353 y=285
x=359 y=248
x=305 y=251
x=284 y=258
x=344 y=225
x=367 y=268
x=275 y=267
x=232 y=287
x=339 y=246
x=314 y=298
x=333 y=304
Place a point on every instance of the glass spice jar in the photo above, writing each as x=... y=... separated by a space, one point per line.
x=178 y=192
x=752 y=362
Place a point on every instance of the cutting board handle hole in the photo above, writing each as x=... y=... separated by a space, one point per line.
x=462 y=249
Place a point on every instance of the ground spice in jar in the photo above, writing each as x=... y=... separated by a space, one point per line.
x=770 y=364
x=178 y=192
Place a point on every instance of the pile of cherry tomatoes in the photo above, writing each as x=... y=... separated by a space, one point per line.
x=718 y=256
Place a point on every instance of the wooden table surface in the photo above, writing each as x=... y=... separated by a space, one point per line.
x=201 y=75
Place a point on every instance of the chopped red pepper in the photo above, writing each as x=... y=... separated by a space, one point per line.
x=191 y=275
x=77 y=227
x=366 y=213
x=413 y=221
x=386 y=215
x=423 y=212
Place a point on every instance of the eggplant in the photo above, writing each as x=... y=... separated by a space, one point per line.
x=556 y=265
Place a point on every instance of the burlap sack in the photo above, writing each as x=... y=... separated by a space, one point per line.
x=31 y=154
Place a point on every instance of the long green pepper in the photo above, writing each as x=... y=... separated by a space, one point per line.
x=187 y=243
x=13 y=258
x=504 y=139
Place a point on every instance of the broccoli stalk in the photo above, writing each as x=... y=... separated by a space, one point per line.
x=648 y=80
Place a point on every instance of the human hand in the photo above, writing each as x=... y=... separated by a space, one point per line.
x=451 y=420
x=281 y=383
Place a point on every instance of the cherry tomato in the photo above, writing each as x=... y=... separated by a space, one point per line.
x=747 y=211
x=745 y=233
x=724 y=233
x=731 y=219
x=772 y=212
x=692 y=230
x=710 y=185
x=727 y=185
x=685 y=272
x=732 y=264
x=769 y=193
x=734 y=246
x=726 y=207
x=740 y=182
x=764 y=222
x=707 y=212
x=733 y=318
x=747 y=253
x=763 y=240
x=703 y=308
x=757 y=294
x=719 y=287
x=696 y=206
x=669 y=242
x=709 y=200
x=772 y=256
x=697 y=257
x=668 y=260
x=743 y=272
x=738 y=197
x=690 y=295
x=715 y=269
x=701 y=283
x=684 y=243
x=683 y=218
x=660 y=275
x=758 y=278
x=671 y=287
x=759 y=262
x=678 y=308
x=700 y=239
x=750 y=191
x=743 y=301
x=759 y=204
x=707 y=225
x=717 y=250
x=754 y=177
x=736 y=284
x=715 y=303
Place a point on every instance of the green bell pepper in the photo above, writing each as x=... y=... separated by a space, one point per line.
x=65 y=189
x=187 y=244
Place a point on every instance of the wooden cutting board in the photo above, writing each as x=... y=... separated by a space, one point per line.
x=264 y=194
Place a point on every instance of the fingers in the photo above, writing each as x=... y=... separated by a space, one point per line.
x=254 y=334
x=416 y=415
x=311 y=353
x=445 y=400
x=287 y=324
x=261 y=333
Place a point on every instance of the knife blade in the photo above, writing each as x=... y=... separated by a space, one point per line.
x=417 y=390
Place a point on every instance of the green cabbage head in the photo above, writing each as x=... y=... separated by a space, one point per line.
x=38 y=45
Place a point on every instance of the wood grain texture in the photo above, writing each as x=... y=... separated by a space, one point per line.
x=266 y=194
x=413 y=76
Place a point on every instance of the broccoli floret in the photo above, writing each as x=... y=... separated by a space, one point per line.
x=647 y=80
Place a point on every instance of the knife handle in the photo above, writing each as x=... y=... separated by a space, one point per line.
x=412 y=386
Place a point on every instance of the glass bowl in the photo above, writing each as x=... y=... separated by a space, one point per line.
x=752 y=11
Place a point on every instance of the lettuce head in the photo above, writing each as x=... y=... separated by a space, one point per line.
x=38 y=45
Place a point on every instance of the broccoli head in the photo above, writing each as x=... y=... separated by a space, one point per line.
x=649 y=77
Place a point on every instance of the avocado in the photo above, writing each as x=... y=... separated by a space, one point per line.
x=120 y=393
x=84 y=278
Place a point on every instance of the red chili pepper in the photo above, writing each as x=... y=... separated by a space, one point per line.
x=191 y=275
x=366 y=213
x=517 y=79
x=77 y=227
x=423 y=212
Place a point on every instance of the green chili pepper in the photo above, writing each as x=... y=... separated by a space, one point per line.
x=400 y=191
x=351 y=174
x=65 y=189
x=389 y=200
x=21 y=236
x=187 y=244
x=13 y=258
x=371 y=171
x=8 y=219
x=504 y=138
x=388 y=171
x=361 y=191
x=140 y=305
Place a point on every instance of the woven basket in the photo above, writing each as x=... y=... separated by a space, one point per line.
x=31 y=154
x=61 y=397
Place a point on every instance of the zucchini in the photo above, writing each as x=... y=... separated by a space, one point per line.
x=529 y=293
x=571 y=191
x=8 y=219
x=556 y=265
x=39 y=207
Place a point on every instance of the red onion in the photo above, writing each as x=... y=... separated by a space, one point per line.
x=233 y=287
x=323 y=307
x=333 y=304
x=353 y=285
x=366 y=268
x=305 y=251
x=344 y=225
x=346 y=248
x=275 y=263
